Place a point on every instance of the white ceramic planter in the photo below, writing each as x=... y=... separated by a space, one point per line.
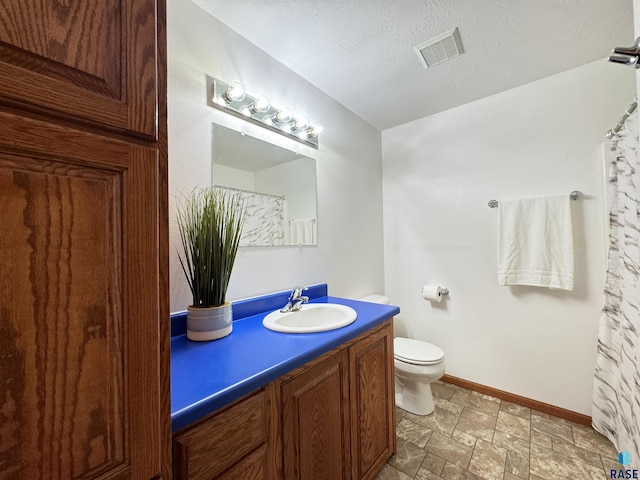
x=209 y=323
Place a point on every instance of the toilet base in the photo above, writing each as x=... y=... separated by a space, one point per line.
x=414 y=397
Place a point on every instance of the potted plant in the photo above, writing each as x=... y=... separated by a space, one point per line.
x=210 y=222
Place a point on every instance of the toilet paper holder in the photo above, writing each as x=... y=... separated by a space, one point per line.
x=443 y=290
x=434 y=293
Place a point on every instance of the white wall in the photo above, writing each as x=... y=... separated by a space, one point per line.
x=349 y=251
x=296 y=181
x=234 y=177
x=438 y=174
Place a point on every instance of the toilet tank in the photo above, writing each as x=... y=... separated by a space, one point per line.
x=375 y=298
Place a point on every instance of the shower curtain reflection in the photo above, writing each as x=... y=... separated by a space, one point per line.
x=616 y=396
x=264 y=221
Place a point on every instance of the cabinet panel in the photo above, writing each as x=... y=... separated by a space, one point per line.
x=79 y=336
x=372 y=402
x=232 y=439
x=60 y=333
x=84 y=60
x=251 y=467
x=316 y=422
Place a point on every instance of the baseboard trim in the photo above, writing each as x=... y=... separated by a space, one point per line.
x=517 y=399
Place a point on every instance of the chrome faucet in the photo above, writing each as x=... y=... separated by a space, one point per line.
x=296 y=299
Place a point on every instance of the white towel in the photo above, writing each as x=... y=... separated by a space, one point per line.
x=302 y=232
x=535 y=242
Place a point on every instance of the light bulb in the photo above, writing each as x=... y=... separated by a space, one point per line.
x=234 y=93
x=283 y=115
x=313 y=132
x=301 y=122
x=260 y=105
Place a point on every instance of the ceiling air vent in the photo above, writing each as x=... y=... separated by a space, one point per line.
x=439 y=49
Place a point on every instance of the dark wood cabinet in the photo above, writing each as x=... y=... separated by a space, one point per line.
x=373 y=433
x=233 y=443
x=90 y=61
x=84 y=340
x=81 y=377
x=338 y=412
x=332 y=418
x=315 y=419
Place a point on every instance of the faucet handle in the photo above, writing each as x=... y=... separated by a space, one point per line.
x=296 y=299
x=297 y=292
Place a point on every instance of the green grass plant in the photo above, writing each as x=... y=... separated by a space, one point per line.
x=210 y=222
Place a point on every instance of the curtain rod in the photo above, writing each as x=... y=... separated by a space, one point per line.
x=623 y=118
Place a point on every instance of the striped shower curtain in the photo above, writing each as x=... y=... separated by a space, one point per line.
x=616 y=396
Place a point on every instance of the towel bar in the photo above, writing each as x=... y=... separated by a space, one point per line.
x=575 y=195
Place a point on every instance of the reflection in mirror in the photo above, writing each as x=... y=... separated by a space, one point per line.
x=278 y=187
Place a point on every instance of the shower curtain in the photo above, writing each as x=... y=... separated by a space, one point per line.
x=616 y=396
x=264 y=220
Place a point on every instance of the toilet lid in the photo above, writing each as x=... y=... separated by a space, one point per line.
x=416 y=352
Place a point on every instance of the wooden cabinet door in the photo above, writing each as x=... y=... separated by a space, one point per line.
x=316 y=422
x=86 y=60
x=79 y=296
x=372 y=403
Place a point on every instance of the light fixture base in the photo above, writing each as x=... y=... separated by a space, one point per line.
x=245 y=108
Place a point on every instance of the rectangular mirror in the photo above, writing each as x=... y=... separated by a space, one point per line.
x=278 y=187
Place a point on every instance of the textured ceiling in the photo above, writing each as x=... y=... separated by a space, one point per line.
x=360 y=52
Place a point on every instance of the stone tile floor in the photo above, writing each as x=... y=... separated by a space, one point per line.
x=473 y=436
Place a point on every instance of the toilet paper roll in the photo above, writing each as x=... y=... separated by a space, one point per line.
x=433 y=293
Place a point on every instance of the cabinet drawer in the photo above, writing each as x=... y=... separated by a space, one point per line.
x=223 y=439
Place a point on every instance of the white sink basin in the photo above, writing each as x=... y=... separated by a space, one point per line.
x=311 y=318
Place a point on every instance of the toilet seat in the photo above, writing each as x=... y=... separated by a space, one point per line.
x=416 y=352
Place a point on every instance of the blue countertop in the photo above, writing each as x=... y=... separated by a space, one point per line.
x=208 y=375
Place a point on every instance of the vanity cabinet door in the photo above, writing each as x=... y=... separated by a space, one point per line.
x=315 y=420
x=79 y=288
x=88 y=61
x=373 y=437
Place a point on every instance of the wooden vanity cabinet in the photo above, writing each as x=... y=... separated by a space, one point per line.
x=331 y=419
x=338 y=416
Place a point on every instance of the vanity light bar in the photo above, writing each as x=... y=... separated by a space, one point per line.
x=232 y=98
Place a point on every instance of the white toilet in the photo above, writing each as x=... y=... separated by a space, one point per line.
x=417 y=365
